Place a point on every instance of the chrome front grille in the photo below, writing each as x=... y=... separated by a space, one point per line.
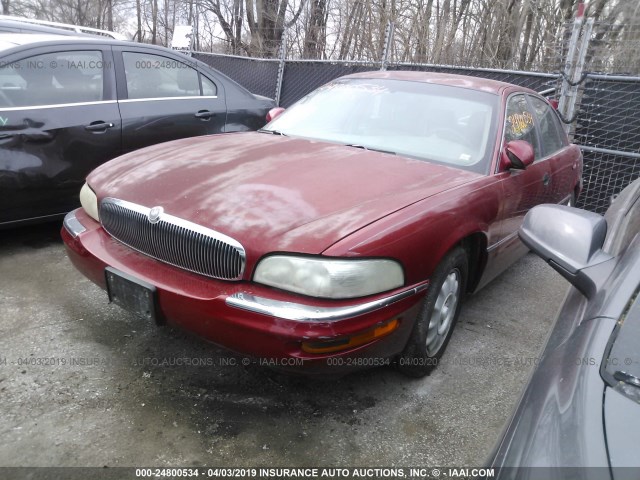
x=173 y=240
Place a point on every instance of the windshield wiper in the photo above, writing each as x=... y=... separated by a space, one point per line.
x=627 y=378
x=356 y=145
x=272 y=132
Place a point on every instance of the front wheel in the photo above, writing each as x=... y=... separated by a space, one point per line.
x=437 y=317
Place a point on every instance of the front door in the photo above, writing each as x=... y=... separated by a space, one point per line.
x=59 y=120
x=521 y=189
x=555 y=148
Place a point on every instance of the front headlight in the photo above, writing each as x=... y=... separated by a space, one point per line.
x=329 y=278
x=89 y=202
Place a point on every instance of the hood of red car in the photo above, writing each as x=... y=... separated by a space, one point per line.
x=272 y=193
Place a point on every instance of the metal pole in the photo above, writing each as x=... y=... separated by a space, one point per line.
x=388 y=40
x=577 y=72
x=283 y=54
x=569 y=65
x=606 y=151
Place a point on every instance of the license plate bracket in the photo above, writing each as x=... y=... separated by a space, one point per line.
x=133 y=294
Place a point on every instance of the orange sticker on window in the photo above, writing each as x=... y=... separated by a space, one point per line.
x=520 y=122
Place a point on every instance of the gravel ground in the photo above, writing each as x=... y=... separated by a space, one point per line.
x=78 y=388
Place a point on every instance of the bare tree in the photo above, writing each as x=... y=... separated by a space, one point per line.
x=138 y=35
x=522 y=34
x=315 y=33
x=154 y=21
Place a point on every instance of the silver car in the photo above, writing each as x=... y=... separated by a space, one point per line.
x=581 y=407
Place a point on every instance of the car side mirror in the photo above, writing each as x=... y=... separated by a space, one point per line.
x=517 y=154
x=571 y=241
x=273 y=113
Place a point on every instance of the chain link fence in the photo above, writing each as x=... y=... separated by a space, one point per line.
x=606 y=117
x=534 y=80
x=600 y=86
x=593 y=70
x=258 y=75
x=607 y=128
x=303 y=76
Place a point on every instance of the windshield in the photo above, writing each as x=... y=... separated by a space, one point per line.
x=437 y=123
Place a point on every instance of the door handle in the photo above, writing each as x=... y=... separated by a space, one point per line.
x=546 y=179
x=98 y=126
x=205 y=114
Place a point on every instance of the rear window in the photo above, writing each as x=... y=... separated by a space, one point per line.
x=155 y=76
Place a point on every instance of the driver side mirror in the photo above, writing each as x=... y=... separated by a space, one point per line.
x=571 y=241
x=516 y=154
x=273 y=113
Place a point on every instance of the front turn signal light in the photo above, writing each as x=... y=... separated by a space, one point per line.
x=345 y=343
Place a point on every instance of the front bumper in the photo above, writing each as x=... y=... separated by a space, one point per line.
x=248 y=318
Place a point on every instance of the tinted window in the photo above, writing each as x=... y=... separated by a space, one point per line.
x=52 y=79
x=520 y=124
x=435 y=123
x=208 y=87
x=547 y=121
x=154 y=76
x=622 y=365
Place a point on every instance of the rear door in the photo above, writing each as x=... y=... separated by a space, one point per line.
x=563 y=162
x=59 y=120
x=164 y=97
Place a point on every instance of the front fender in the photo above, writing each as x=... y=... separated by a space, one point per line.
x=420 y=234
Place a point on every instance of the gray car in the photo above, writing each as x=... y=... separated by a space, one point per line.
x=581 y=407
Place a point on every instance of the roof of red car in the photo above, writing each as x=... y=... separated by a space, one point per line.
x=464 y=81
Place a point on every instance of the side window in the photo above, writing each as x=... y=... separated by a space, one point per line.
x=155 y=76
x=52 y=79
x=550 y=138
x=560 y=127
x=209 y=88
x=520 y=124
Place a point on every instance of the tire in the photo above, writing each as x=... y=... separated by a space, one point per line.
x=434 y=325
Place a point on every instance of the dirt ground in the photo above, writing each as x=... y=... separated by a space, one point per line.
x=84 y=383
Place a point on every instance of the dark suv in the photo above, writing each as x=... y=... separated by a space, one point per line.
x=68 y=104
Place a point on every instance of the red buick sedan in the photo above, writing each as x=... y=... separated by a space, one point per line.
x=346 y=233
